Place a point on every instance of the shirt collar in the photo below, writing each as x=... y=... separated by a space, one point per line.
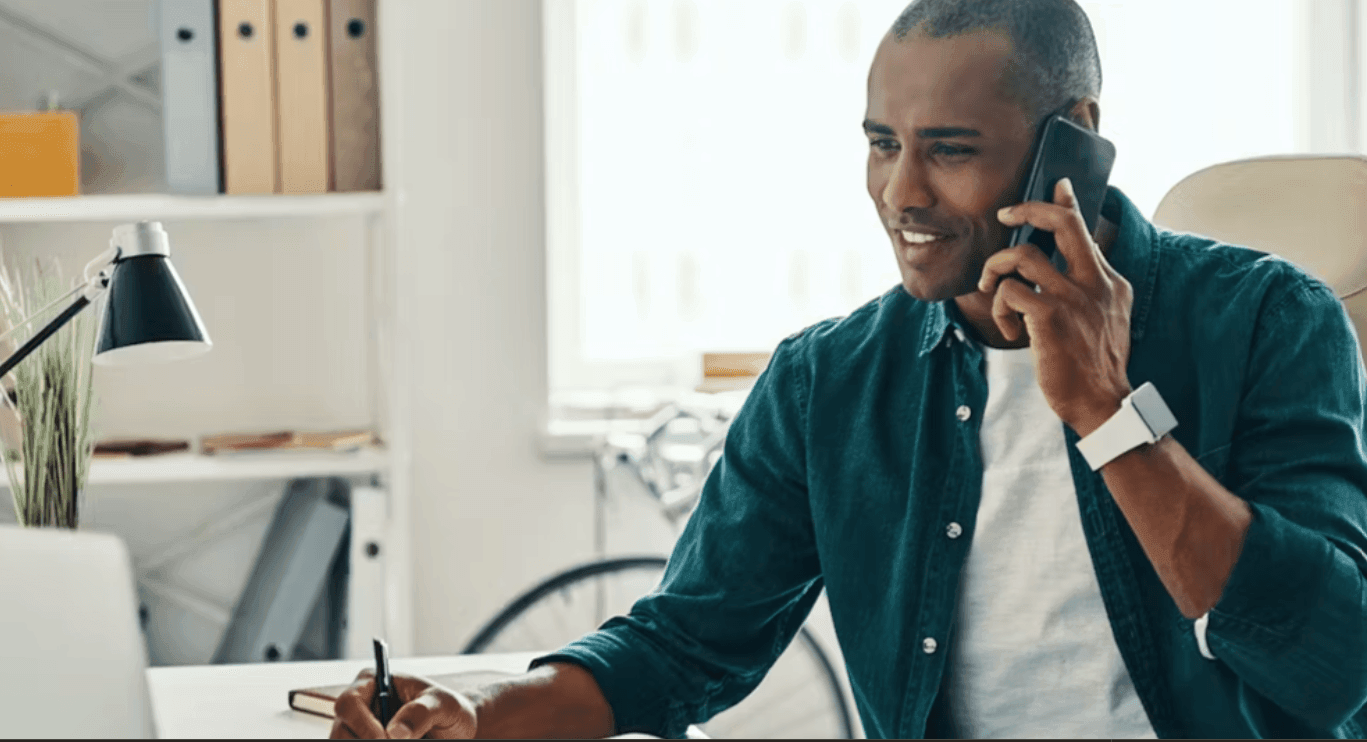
x=1132 y=255
x=937 y=323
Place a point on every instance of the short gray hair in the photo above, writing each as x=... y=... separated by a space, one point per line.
x=1052 y=41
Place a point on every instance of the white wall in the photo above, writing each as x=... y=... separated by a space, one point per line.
x=489 y=516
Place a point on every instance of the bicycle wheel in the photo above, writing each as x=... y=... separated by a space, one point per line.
x=800 y=698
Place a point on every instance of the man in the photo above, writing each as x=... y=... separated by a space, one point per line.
x=920 y=460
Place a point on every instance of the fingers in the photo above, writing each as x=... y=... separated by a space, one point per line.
x=438 y=712
x=352 y=710
x=1013 y=299
x=415 y=718
x=410 y=687
x=1064 y=219
x=1027 y=261
x=340 y=731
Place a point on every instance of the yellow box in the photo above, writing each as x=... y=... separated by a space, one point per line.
x=40 y=154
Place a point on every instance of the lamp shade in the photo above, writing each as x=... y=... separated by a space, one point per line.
x=148 y=314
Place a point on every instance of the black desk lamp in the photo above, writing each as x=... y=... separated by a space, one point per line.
x=148 y=318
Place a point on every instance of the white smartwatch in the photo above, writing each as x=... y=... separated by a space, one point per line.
x=1143 y=418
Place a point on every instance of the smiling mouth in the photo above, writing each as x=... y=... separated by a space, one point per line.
x=921 y=239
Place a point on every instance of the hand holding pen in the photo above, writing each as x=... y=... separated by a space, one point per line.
x=383 y=705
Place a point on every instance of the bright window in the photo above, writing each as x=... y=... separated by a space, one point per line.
x=707 y=164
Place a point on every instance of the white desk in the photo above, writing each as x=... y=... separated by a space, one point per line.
x=252 y=701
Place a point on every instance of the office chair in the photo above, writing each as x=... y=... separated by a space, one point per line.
x=1308 y=209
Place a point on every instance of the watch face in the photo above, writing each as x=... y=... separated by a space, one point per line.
x=1150 y=406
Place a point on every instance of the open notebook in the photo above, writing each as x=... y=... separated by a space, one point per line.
x=320 y=700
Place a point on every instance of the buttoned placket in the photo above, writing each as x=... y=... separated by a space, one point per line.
x=941 y=595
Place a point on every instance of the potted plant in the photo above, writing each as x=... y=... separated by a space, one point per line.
x=47 y=437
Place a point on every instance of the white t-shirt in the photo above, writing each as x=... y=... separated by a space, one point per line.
x=1032 y=653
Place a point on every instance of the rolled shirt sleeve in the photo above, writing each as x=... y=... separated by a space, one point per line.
x=741 y=581
x=1292 y=621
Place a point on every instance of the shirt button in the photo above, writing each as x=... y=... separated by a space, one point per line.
x=954 y=530
x=960 y=335
x=929 y=645
x=963 y=413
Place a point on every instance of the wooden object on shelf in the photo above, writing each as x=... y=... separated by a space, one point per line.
x=247 y=81
x=301 y=95
x=137 y=447
x=39 y=154
x=726 y=372
x=355 y=95
x=288 y=441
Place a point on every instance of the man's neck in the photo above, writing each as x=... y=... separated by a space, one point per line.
x=976 y=308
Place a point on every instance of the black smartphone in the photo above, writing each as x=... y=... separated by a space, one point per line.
x=1064 y=149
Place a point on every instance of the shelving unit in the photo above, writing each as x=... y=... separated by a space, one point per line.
x=191 y=467
x=73 y=224
x=162 y=207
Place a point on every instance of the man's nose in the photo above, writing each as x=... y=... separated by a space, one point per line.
x=907 y=186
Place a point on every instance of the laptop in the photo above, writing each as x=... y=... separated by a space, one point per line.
x=72 y=653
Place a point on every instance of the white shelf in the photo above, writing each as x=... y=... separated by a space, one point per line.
x=162 y=207
x=186 y=467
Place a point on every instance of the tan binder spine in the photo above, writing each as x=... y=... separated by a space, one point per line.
x=247 y=74
x=302 y=94
x=355 y=87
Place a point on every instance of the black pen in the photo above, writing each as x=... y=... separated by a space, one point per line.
x=386 y=697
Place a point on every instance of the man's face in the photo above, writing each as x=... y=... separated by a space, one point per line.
x=947 y=149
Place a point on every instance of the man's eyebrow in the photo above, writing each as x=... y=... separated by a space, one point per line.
x=947 y=132
x=943 y=132
x=870 y=127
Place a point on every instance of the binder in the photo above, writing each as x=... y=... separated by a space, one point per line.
x=189 y=95
x=302 y=95
x=247 y=75
x=355 y=95
x=325 y=629
x=290 y=573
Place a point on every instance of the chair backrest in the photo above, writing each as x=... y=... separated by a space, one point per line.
x=72 y=656
x=1308 y=209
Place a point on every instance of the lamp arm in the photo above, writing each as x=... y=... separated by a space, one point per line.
x=89 y=292
x=29 y=319
x=93 y=281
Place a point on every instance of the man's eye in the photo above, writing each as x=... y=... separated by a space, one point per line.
x=950 y=150
x=886 y=145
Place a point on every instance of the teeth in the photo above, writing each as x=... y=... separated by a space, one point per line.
x=917 y=238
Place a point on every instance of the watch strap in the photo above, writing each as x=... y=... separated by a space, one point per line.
x=1125 y=431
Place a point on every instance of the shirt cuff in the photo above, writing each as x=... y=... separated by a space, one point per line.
x=1200 y=629
x=1276 y=585
x=628 y=676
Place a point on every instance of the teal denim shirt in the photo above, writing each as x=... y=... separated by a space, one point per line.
x=849 y=460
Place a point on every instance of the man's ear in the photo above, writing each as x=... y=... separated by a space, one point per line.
x=1087 y=112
